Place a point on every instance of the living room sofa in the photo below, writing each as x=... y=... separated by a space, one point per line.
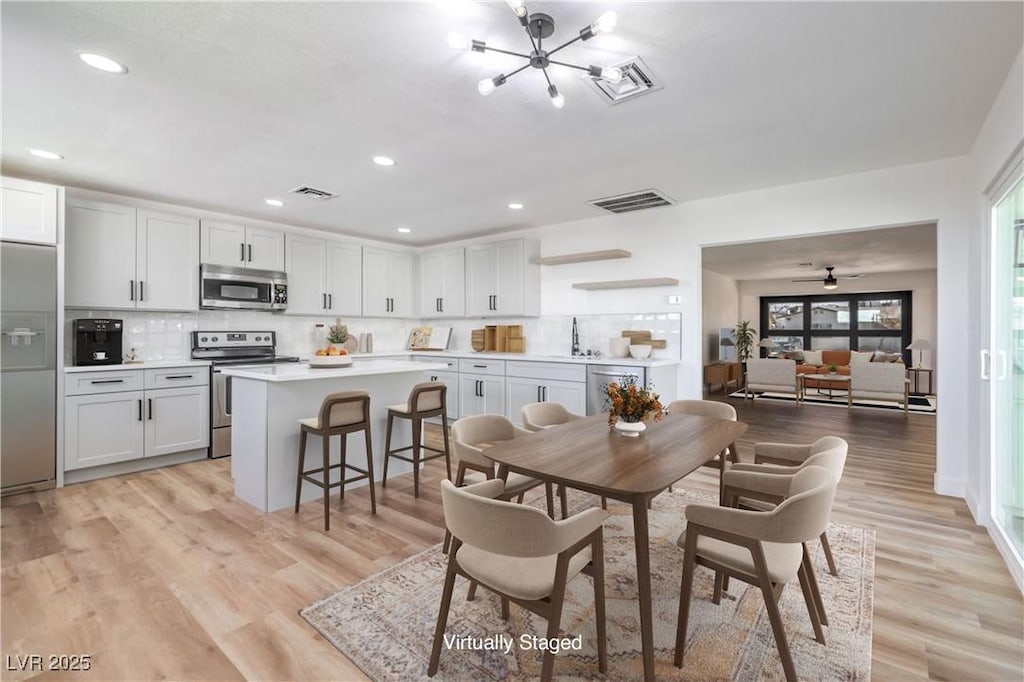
x=807 y=362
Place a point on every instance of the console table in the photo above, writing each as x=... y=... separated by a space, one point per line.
x=723 y=374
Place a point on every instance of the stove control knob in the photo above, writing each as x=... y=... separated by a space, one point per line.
x=215 y=339
x=259 y=338
x=204 y=339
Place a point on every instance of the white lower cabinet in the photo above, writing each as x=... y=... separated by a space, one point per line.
x=481 y=394
x=177 y=419
x=104 y=424
x=546 y=382
x=103 y=429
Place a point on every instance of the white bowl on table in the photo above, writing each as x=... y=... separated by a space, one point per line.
x=618 y=346
x=330 y=360
x=640 y=351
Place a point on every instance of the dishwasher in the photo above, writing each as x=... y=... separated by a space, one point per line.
x=598 y=378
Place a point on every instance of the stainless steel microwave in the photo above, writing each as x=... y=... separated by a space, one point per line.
x=222 y=286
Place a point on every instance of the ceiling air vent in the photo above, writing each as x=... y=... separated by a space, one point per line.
x=313 y=192
x=637 y=79
x=634 y=201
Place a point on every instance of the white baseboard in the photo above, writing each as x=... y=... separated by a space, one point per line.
x=132 y=466
x=976 y=512
x=953 y=487
x=1014 y=561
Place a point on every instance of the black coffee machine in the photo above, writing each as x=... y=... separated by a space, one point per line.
x=98 y=342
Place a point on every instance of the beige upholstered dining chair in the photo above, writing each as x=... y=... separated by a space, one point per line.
x=540 y=416
x=714 y=410
x=522 y=556
x=472 y=436
x=537 y=416
x=764 y=549
x=828 y=452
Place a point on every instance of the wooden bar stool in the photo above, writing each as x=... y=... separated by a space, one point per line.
x=340 y=414
x=425 y=400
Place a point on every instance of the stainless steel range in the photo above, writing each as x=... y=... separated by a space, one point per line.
x=237 y=349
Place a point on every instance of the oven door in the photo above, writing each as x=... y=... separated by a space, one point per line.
x=225 y=287
x=221 y=415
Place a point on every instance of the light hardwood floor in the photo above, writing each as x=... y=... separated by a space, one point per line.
x=163 y=575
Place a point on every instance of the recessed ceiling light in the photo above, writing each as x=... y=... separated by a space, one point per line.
x=384 y=161
x=43 y=154
x=274 y=202
x=515 y=206
x=98 y=61
x=405 y=230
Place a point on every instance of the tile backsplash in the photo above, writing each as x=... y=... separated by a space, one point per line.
x=158 y=336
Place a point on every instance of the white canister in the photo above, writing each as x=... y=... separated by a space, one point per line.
x=366 y=342
x=618 y=346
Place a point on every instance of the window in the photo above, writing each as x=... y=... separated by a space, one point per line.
x=864 y=322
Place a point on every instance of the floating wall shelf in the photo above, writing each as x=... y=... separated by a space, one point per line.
x=628 y=283
x=584 y=257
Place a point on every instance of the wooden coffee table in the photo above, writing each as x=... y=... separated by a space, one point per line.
x=585 y=454
x=802 y=383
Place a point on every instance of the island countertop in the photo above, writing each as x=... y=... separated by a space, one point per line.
x=303 y=372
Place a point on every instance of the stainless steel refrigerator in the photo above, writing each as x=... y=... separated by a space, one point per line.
x=28 y=367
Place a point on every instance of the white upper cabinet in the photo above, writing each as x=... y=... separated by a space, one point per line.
x=28 y=211
x=99 y=255
x=241 y=246
x=167 y=265
x=503 y=279
x=387 y=283
x=120 y=257
x=324 y=276
x=443 y=283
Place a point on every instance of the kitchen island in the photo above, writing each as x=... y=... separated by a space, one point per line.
x=267 y=403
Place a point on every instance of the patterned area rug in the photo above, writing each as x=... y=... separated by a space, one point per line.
x=385 y=623
x=919 y=404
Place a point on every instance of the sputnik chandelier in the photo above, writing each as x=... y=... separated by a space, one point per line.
x=539 y=26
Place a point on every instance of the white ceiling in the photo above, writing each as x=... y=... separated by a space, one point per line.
x=863 y=252
x=229 y=103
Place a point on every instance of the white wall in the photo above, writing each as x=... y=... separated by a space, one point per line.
x=921 y=282
x=719 y=309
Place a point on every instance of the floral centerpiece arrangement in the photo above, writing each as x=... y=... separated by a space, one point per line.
x=630 y=403
x=337 y=335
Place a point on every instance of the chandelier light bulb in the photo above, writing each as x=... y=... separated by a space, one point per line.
x=611 y=73
x=518 y=6
x=486 y=86
x=457 y=41
x=605 y=23
x=557 y=100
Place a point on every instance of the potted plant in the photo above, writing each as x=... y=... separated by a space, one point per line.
x=832 y=369
x=337 y=334
x=630 y=406
x=744 y=336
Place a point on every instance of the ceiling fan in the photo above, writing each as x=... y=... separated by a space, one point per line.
x=830 y=281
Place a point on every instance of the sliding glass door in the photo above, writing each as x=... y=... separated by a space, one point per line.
x=1006 y=367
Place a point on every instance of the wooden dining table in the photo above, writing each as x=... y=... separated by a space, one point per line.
x=586 y=455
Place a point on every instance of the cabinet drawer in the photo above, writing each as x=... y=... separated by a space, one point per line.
x=496 y=367
x=174 y=377
x=554 y=371
x=453 y=364
x=102 y=382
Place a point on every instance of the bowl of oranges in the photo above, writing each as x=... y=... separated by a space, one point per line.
x=332 y=356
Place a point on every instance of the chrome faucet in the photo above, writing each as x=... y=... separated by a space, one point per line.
x=575 y=339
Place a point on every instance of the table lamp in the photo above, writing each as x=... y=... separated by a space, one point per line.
x=766 y=343
x=920 y=345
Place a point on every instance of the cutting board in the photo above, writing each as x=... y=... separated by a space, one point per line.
x=429 y=338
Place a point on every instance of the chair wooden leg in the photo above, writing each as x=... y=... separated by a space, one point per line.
x=725 y=583
x=604 y=502
x=504 y=607
x=716 y=597
x=563 y=501
x=417 y=433
x=471 y=594
x=812 y=582
x=812 y=605
x=343 y=451
x=369 y=470
x=597 y=559
x=326 y=440
x=829 y=559
x=685 y=590
x=387 y=449
x=442 y=619
x=520 y=498
x=547 y=668
x=549 y=494
x=302 y=462
x=447 y=446
x=770 y=603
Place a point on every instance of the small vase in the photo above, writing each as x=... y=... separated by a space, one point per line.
x=630 y=429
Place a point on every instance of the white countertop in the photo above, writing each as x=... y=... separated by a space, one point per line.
x=520 y=357
x=303 y=372
x=162 y=364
